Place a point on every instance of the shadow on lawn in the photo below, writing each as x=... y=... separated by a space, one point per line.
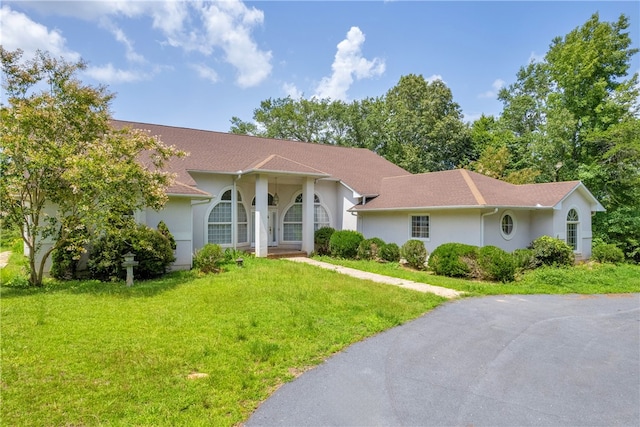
x=140 y=288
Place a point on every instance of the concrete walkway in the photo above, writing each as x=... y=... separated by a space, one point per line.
x=379 y=278
x=4 y=258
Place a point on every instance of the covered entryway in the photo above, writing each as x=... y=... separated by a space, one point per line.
x=272 y=227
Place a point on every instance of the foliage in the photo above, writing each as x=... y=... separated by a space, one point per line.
x=524 y=259
x=231 y=254
x=607 y=252
x=152 y=251
x=208 y=258
x=496 y=264
x=415 y=253
x=164 y=230
x=454 y=260
x=321 y=238
x=548 y=250
x=415 y=125
x=370 y=248
x=390 y=252
x=344 y=243
x=63 y=165
x=123 y=355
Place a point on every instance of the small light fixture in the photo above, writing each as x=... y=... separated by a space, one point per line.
x=276 y=199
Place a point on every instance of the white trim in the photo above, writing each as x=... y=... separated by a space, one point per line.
x=578 y=224
x=292 y=202
x=234 y=219
x=514 y=228
x=410 y=227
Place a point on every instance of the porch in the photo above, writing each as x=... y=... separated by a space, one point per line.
x=276 y=252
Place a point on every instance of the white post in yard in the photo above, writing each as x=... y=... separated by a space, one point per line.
x=308 y=192
x=262 y=215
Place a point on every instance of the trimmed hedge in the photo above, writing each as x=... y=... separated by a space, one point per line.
x=496 y=264
x=321 y=238
x=607 y=252
x=454 y=260
x=344 y=243
x=208 y=258
x=152 y=251
x=415 y=253
x=370 y=248
x=524 y=259
x=551 y=251
x=390 y=252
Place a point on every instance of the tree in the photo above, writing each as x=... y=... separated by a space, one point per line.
x=65 y=169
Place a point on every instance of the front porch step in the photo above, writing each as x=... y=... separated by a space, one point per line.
x=285 y=253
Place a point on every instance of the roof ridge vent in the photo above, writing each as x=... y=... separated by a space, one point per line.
x=472 y=186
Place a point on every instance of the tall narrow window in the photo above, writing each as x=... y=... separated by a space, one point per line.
x=220 y=221
x=419 y=226
x=572 y=229
x=292 y=223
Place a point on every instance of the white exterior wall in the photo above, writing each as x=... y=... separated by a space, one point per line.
x=519 y=238
x=577 y=202
x=346 y=200
x=175 y=214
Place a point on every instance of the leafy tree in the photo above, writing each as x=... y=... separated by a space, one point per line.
x=64 y=167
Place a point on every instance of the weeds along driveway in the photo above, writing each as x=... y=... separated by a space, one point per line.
x=501 y=361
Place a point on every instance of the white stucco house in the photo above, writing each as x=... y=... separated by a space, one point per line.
x=259 y=194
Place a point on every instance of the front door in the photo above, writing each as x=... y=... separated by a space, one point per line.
x=272 y=229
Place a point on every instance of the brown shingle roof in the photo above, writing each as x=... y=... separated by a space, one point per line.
x=360 y=169
x=462 y=188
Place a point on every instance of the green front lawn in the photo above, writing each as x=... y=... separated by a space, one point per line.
x=590 y=278
x=91 y=353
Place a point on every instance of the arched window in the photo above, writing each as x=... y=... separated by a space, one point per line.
x=220 y=221
x=292 y=223
x=270 y=201
x=573 y=219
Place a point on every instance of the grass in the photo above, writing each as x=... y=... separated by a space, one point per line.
x=91 y=353
x=590 y=278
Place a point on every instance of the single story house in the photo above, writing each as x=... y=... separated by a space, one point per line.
x=258 y=194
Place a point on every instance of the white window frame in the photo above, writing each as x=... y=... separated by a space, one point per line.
x=234 y=232
x=293 y=202
x=577 y=228
x=514 y=226
x=411 y=236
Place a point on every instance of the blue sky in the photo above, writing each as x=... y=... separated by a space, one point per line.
x=197 y=64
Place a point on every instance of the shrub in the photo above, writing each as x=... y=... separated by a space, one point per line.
x=454 y=260
x=321 y=238
x=65 y=259
x=390 y=252
x=524 y=259
x=414 y=252
x=231 y=254
x=551 y=251
x=344 y=243
x=370 y=248
x=607 y=252
x=496 y=264
x=152 y=250
x=208 y=258
x=164 y=230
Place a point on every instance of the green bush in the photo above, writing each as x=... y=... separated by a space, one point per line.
x=607 y=252
x=496 y=264
x=454 y=260
x=66 y=258
x=208 y=258
x=321 y=238
x=164 y=230
x=414 y=252
x=370 y=248
x=390 y=252
x=551 y=251
x=344 y=243
x=524 y=259
x=152 y=251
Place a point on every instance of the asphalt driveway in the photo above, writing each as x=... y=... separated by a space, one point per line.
x=496 y=361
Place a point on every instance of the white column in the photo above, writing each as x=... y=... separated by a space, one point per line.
x=262 y=213
x=308 y=191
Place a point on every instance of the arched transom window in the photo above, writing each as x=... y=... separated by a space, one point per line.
x=220 y=223
x=573 y=220
x=292 y=223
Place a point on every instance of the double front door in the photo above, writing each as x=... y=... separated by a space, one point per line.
x=272 y=229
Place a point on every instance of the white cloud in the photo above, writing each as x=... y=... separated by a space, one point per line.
x=18 y=31
x=292 y=91
x=205 y=72
x=534 y=57
x=348 y=63
x=496 y=85
x=131 y=54
x=109 y=74
x=435 y=77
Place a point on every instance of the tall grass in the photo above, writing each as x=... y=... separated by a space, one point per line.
x=91 y=353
